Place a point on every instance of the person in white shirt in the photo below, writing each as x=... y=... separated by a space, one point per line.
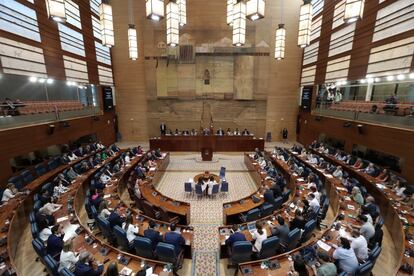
x=137 y=190
x=44 y=234
x=130 y=229
x=51 y=207
x=359 y=245
x=9 y=193
x=68 y=258
x=59 y=189
x=127 y=158
x=259 y=235
x=314 y=191
x=262 y=163
x=338 y=173
x=312 y=159
x=104 y=178
x=313 y=203
x=103 y=209
x=72 y=156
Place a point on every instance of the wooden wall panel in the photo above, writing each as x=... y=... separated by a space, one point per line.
x=21 y=141
x=394 y=141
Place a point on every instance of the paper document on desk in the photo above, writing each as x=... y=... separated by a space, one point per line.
x=59 y=220
x=351 y=207
x=300 y=179
x=341 y=189
x=70 y=231
x=380 y=186
x=347 y=198
x=125 y=271
x=344 y=234
x=324 y=246
x=328 y=175
x=106 y=196
x=152 y=169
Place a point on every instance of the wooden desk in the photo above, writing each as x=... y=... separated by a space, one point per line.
x=337 y=194
x=216 y=143
x=391 y=211
x=231 y=210
x=14 y=215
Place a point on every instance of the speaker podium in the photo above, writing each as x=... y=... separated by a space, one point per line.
x=207 y=154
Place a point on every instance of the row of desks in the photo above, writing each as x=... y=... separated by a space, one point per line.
x=397 y=217
x=214 y=142
x=340 y=203
x=14 y=215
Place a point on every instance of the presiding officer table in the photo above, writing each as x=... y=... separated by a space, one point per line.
x=214 y=142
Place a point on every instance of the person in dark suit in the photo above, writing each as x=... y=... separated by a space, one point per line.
x=163 y=128
x=269 y=196
x=277 y=191
x=84 y=266
x=236 y=236
x=153 y=234
x=55 y=242
x=175 y=239
x=298 y=221
x=115 y=219
x=220 y=132
x=282 y=231
x=245 y=132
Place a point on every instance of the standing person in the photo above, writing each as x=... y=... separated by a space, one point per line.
x=285 y=135
x=163 y=129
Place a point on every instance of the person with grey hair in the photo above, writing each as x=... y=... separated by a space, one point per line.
x=324 y=266
x=84 y=266
x=357 y=196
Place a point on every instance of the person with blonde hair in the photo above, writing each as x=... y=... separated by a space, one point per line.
x=68 y=258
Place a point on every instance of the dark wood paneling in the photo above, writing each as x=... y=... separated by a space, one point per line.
x=23 y=140
x=394 y=141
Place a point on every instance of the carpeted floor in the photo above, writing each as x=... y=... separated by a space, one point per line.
x=206 y=213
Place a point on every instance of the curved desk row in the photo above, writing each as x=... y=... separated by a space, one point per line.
x=393 y=213
x=14 y=216
x=340 y=204
x=235 y=208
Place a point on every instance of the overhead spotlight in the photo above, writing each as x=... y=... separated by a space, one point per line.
x=377 y=79
x=390 y=78
x=363 y=81
x=42 y=80
x=49 y=81
x=400 y=77
x=411 y=76
x=33 y=79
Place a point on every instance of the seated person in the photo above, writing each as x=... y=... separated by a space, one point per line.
x=127 y=158
x=367 y=230
x=345 y=255
x=317 y=194
x=10 y=192
x=65 y=159
x=104 y=210
x=104 y=178
x=282 y=231
x=237 y=132
x=72 y=156
x=229 y=132
x=50 y=208
x=357 y=196
x=55 y=242
x=84 y=167
x=399 y=189
x=130 y=229
x=153 y=234
x=175 y=238
x=68 y=258
x=370 y=169
x=326 y=266
x=245 y=132
x=383 y=176
x=358 y=164
x=259 y=235
x=370 y=207
x=115 y=218
x=220 y=132
x=338 y=173
x=360 y=245
x=234 y=237
x=298 y=221
x=84 y=267
x=71 y=174
x=313 y=203
x=95 y=197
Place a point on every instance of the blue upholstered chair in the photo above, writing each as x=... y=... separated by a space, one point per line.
x=270 y=247
x=251 y=215
x=166 y=253
x=105 y=227
x=266 y=209
x=310 y=226
x=143 y=247
x=51 y=266
x=40 y=169
x=241 y=252
x=293 y=238
x=121 y=238
x=188 y=188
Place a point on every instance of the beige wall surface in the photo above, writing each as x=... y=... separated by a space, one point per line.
x=248 y=87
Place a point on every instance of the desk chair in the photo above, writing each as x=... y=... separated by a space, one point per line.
x=105 y=228
x=17 y=180
x=40 y=250
x=293 y=240
x=365 y=269
x=224 y=187
x=278 y=203
x=286 y=195
x=35 y=230
x=270 y=247
x=143 y=247
x=310 y=226
x=121 y=238
x=374 y=254
x=27 y=177
x=198 y=190
x=222 y=172
x=40 y=169
x=266 y=209
x=241 y=252
x=215 y=190
x=188 y=188
x=251 y=215
x=66 y=272
x=166 y=253
x=51 y=266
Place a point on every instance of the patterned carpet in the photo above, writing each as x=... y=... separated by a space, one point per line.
x=206 y=213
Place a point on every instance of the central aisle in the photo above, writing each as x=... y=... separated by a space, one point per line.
x=206 y=213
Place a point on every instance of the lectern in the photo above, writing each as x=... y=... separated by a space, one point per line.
x=207 y=154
